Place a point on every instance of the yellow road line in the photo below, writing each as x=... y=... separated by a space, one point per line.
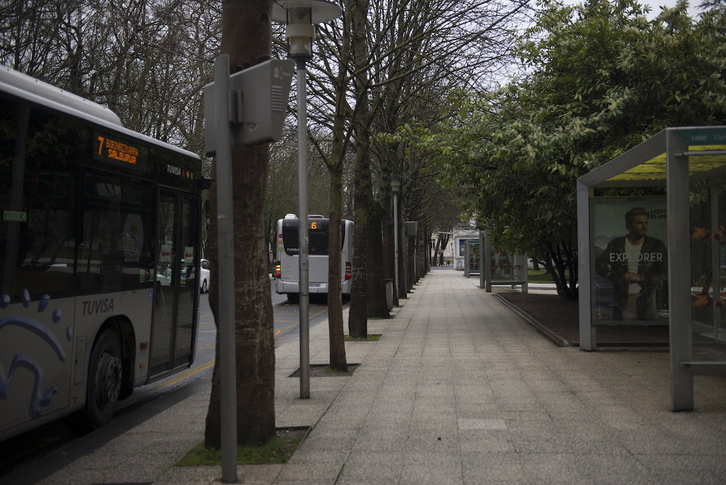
x=206 y=366
x=277 y=332
x=287 y=328
x=319 y=313
x=186 y=374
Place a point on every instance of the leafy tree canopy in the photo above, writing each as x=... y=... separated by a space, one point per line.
x=599 y=79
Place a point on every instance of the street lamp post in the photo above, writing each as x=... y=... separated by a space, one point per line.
x=300 y=17
x=395 y=188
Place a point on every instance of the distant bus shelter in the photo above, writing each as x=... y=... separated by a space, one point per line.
x=500 y=267
x=461 y=238
x=676 y=275
x=472 y=259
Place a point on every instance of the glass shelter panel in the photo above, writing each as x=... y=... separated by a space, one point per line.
x=708 y=272
x=472 y=258
x=508 y=267
x=503 y=267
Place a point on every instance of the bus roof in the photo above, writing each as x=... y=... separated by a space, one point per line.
x=10 y=79
x=310 y=216
x=44 y=94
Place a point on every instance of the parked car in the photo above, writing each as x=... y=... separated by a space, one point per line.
x=163 y=275
x=204 y=276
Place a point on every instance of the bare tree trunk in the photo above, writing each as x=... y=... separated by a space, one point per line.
x=246 y=37
x=377 y=306
x=336 y=334
x=388 y=241
x=358 y=315
x=411 y=250
x=424 y=247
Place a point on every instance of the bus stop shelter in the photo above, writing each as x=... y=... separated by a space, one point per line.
x=500 y=267
x=678 y=179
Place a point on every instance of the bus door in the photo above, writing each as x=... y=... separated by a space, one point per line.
x=176 y=293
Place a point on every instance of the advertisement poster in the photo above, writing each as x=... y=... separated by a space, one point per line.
x=630 y=259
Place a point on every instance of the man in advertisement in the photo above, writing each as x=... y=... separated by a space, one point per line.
x=635 y=264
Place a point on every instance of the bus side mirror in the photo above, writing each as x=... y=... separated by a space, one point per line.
x=258 y=104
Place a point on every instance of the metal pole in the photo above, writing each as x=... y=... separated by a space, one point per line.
x=225 y=256
x=487 y=255
x=395 y=243
x=483 y=256
x=679 y=271
x=304 y=286
x=588 y=331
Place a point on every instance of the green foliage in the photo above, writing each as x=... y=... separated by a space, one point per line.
x=278 y=449
x=601 y=78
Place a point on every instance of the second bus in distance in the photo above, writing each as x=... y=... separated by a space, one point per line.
x=287 y=265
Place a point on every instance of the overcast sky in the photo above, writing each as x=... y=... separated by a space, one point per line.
x=655 y=5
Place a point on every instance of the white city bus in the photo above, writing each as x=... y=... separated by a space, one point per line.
x=287 y=266
x=98 y=223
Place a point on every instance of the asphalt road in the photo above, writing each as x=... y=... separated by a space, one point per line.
x=286 y=327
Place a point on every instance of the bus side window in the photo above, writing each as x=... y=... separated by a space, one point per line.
x=41 y=228
x=116 y=250
x=47 y=267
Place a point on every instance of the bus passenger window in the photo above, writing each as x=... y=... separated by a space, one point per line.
x=38 y=236
x=46 y=248
x=115 y=252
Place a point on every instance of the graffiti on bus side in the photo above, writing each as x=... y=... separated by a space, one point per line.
x=40 y=397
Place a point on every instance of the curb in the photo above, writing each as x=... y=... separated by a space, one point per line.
x=549 y=334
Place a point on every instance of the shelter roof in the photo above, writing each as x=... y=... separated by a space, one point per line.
x=645 y=164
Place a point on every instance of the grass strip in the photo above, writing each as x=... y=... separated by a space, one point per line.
x=277 y=450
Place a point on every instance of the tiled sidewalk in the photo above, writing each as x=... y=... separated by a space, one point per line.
x=458 y=390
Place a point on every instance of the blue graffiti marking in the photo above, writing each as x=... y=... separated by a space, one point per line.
x=39 y=398
x=43 y=303
x=38 y=329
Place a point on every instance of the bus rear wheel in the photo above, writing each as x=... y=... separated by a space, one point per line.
x=104 y=387
x=105 y=376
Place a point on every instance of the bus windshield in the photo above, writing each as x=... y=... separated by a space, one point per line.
x=317 y=234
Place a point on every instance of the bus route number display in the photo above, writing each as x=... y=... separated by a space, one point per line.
x=319 y=225
x=109 y=149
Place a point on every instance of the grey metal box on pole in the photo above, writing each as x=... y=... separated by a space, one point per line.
x=258 y=104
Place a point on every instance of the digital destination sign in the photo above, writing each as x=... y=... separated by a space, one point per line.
x=111 y=149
